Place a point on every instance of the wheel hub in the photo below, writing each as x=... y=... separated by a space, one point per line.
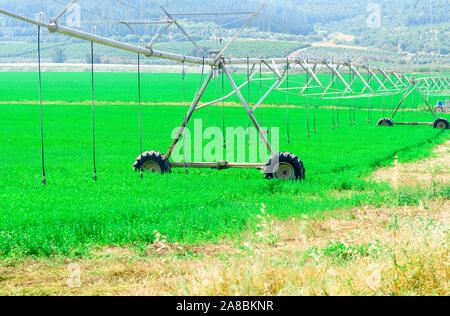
x=284 y=171
x=152 y=166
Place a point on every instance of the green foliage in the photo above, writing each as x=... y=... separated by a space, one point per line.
x=97 y=58
x=340 y=253
x=240 y=48
x=80 y=52
x=58 y=56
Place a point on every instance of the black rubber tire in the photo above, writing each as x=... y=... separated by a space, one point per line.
x=154 y=156
x=441 y=123
x=385 y=122
x=293 y=160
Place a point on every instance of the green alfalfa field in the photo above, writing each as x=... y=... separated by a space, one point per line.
x=72 y=214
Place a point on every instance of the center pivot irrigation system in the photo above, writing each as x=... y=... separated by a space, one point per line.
x=431 y=86
x=344 y=80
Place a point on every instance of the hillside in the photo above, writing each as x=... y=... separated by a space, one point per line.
x=410 y=32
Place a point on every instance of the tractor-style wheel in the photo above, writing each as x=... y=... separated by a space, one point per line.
x=152 y=161
x=441 y=123
x=385 y=122
x=439 y=109
x=285 y=166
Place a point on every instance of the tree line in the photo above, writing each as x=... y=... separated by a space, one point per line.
x=281 y=16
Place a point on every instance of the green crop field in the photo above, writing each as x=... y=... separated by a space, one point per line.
x=72 y=214
x=78 y=52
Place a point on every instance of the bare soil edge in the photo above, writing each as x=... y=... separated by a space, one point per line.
x=407 y=246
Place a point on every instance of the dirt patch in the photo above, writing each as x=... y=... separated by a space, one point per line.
x=332 y=44
x=435 y=169
x=343 y=37
x=324 y=44
x=298 y=52
x=276 y=261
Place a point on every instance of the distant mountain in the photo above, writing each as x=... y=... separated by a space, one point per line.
x=402 y=26
x=282 y=16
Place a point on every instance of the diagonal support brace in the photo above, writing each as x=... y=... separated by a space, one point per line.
x=246 y=106
x=194 y=104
